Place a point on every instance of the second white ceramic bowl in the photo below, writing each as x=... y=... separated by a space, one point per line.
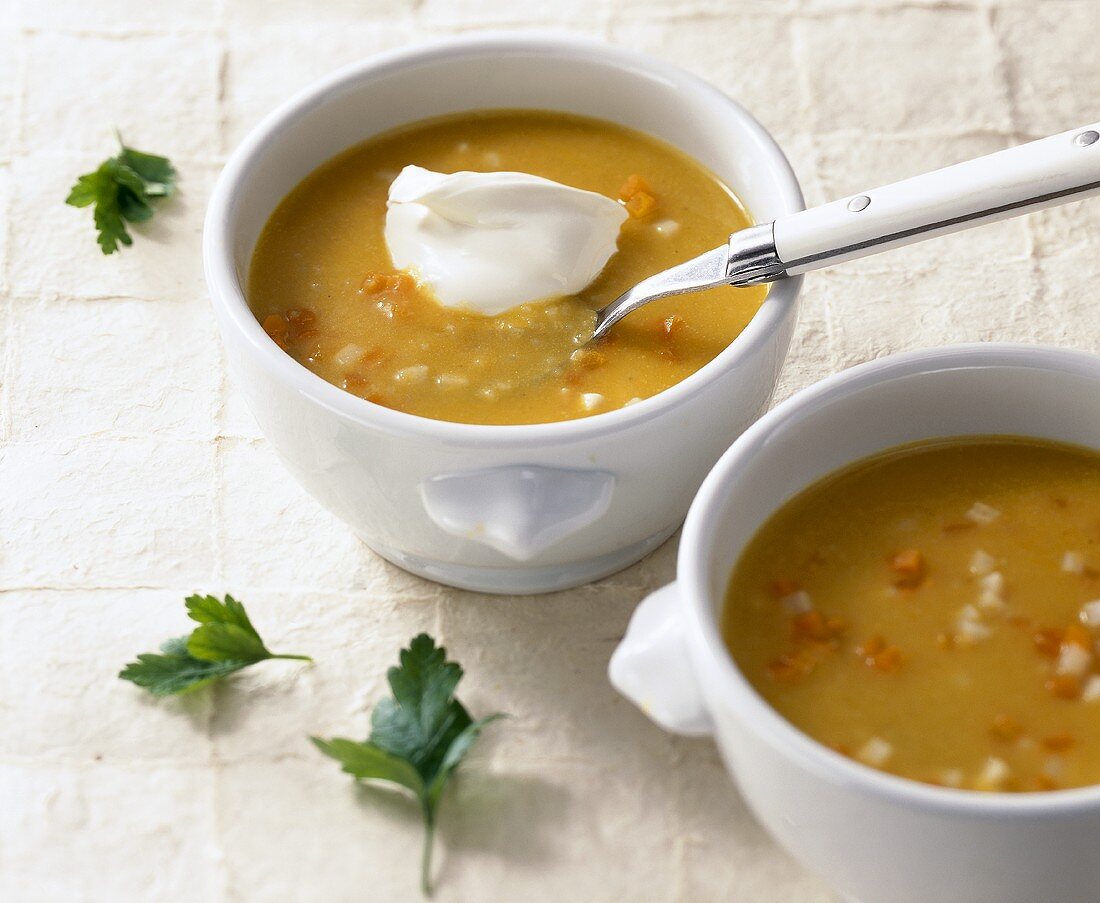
x=499 y=508
x=874 y=837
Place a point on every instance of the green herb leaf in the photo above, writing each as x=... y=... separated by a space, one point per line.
x=121 y=190
x=224 y=642
x=175 y=670
x=418 y=737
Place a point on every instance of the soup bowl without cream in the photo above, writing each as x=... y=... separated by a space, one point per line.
x=509 y=509
x=874 y=837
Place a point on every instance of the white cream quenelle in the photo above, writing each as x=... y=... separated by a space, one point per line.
x=490 y=241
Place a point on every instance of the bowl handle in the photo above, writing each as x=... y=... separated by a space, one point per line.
x=521 y=511
x=650 y=667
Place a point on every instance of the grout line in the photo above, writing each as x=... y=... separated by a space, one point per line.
x=806 y=102
x=1036 y=295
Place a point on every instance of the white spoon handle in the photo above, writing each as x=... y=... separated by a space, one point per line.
x=1031 y=176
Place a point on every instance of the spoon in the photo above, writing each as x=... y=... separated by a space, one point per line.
x=1028 y=177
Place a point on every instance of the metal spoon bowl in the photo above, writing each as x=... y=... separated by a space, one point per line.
x=1008 y=183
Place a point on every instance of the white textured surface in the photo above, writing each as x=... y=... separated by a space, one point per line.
x=131 y=474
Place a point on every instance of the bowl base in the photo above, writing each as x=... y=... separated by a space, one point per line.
x=519 y=581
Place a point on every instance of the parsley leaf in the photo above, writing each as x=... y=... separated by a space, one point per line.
x=121 y=190
x=417 y=738
x=225 y=641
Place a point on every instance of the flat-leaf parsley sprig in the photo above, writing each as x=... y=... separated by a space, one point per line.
x=417 y=738
x=123 y=189
x=225 y=641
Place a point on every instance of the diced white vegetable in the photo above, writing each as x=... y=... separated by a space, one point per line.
x=591 y=400
x=992 y=587
x=971 y=632
x=994 y=773
x=981 y=563
x=667 y=226
x=348 y=355
x=631 y=401
x=952 y=777
x=981 y=513
x=1073 y=562
x=1090 y=613
x=1073 y=660
x=1091 y=690
x=1053 y=766
x=875 y=751
x=797 y=603
x=969 y=627
x=414 y=374
x=452 y=380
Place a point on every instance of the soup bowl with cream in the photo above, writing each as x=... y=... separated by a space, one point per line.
x=405 y=262
x=886 y=615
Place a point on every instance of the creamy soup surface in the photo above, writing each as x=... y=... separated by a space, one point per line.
x=322 y=283
x=933 y=612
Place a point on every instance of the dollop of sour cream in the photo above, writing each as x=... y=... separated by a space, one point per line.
x=490 y=241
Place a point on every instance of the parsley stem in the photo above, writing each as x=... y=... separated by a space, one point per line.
x=297 y=658
x=426 y=855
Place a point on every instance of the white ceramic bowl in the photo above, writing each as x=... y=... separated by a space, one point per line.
x=874 y=837
x=499 y=508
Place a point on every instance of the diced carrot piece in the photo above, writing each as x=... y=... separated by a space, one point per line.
x=887 y=661
x=945 y=641
x=377 y=283
x=810 y=624
x=909 y=566
x=871 y=647
x=1044 y=782
x=402 y=283
x=1047 y=641
x=300 y=318
x=813 y=625
x=275 y=325
x=357 y=385
x=789 y=668
x=641 y=204
x=1077 y=635
x=1063 y=686
x=880 y=655
x=631 y=187
x=781 y=587
x=373 y=283
x=1059 y=742
x=1005 y=727
x=589 y=358
x=372 y=357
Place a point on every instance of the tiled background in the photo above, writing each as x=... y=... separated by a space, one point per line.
x=132 y=475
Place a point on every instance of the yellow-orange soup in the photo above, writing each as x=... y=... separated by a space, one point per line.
x=932 y=612
x=322 y=283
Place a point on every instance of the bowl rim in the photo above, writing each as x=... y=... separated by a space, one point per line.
x=692 y=571
x=227 y=293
